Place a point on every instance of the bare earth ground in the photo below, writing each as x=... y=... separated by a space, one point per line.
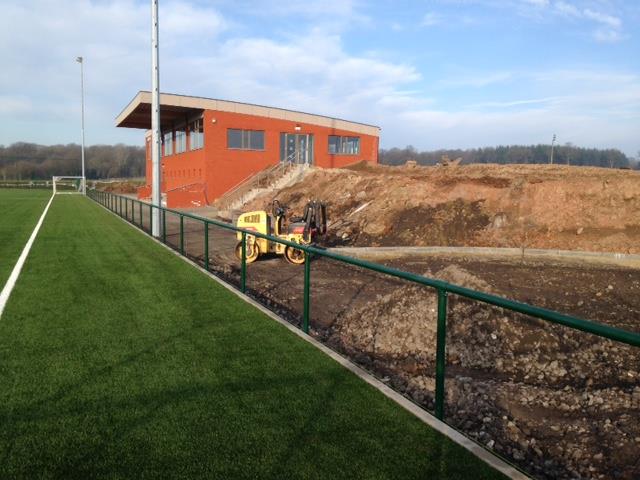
x=556 y=402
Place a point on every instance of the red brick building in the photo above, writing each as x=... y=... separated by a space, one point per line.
x=210 y=146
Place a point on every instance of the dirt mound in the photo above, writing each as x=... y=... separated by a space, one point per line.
x=561 y=385
x=531 y=206
x=402 y=323
x=459 y=276
x=124 y=186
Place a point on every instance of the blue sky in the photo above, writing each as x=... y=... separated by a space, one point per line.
x=432 y=74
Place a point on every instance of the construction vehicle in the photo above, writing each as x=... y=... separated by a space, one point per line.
x=303 y=230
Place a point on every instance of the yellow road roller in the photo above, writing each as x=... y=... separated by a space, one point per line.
x=303 y=230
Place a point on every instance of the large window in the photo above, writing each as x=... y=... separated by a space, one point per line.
x=344 y=145
x=196 y=136
x=245 y=139
x=181 y=139
x=167 y=139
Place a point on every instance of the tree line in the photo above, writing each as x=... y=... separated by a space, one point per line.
x=563 y=155
x=29 y=161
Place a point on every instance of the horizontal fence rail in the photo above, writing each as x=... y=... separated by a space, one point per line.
x=126 y=208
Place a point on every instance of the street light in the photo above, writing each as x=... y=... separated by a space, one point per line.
x=156 y=169
x=553 y=140
x=81 y=62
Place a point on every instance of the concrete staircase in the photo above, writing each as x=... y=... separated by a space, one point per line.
x=269 y=180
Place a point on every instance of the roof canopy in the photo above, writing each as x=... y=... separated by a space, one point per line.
x=176 y=108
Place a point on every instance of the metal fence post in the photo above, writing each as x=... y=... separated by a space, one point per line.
x=181 y=234
x=307 y=288
x=243 y=271
x=206 y=245
x=164 y=226
x=441 y=352
x=133 y=212
x=140 y=212
x=150 y=217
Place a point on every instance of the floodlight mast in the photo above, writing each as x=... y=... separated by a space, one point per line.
x=156 y=171
x=80 y=60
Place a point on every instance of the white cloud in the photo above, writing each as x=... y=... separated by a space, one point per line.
x=311 y=73
x=603 y=18
x=604 y=35
x=513 y=103
x=15 y=105
x=333 y=15
x=478 y=79
x=187 y=20
x=567 y=9
x=430 y=19
x=609 y=27
x=468 y=128
x=537 y=3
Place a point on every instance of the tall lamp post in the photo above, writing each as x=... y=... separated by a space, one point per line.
x=553 y=141
x=156 y=171
x=80 y=60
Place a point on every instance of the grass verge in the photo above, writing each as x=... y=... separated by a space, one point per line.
x=119 y=360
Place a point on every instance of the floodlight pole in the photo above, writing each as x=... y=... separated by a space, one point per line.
x=553 y=141
x=80 y=60
x=156 y=170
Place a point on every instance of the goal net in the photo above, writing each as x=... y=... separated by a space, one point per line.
x=68 y=185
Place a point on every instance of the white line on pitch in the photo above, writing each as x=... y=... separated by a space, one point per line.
x=15 y=273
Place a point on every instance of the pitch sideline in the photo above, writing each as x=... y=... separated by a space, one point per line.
x=17 y=268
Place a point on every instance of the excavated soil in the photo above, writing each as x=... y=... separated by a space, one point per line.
x=536 y=206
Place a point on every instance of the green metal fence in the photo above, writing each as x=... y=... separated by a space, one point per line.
x=141 y=214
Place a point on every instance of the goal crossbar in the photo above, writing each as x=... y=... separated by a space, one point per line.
x=68 y=184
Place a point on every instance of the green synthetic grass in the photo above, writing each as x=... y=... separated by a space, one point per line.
x=19 y=213
x=119 y=360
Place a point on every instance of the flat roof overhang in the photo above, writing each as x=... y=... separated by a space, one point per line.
x=177 y=108
x=138 y=113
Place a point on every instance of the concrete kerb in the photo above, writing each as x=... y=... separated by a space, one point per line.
x=622 y=259
x=480 y=452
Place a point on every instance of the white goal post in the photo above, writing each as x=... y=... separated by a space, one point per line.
x=68 y=184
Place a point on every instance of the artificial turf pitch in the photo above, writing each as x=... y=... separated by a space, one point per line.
x=20 y=211
x=119 y=360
